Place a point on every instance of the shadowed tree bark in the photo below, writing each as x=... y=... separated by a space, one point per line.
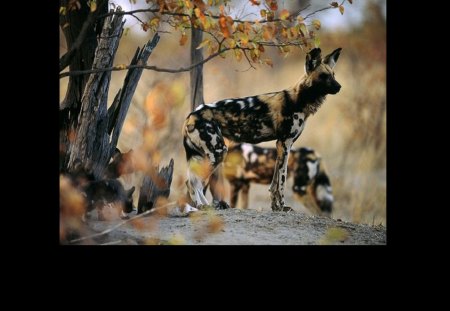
x=196 y=74
x=89 y=131
x=80 y=27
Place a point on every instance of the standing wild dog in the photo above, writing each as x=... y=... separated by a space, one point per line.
x=254 y=119
x=246 y=164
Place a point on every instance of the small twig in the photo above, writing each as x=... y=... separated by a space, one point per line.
x=323 y=9
x=140 y=20
x=120 y=224
x=112 y=243
x=248 y=60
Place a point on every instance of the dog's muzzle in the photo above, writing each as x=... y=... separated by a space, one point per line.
x=336 y=87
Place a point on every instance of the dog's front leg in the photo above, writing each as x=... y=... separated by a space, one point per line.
x=279 y=178
x=217 y=185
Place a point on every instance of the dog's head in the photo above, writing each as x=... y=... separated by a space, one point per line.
x=305 y=168
x=320 y=71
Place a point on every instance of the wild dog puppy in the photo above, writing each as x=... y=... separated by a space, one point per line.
x=245 y=164
x=276 y=116
x=99 y=193
x=109 y=191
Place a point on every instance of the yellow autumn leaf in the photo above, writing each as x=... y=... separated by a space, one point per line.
x=177 y=239
x=269 y=62
x=203 y=43
x=238 y=55
x=231 y=43
x=93 y=5
x=198 y=13
x=284 y=14
x=263 y=13
x=154 y=21
x=334 y=235
x=316 y=23
x=121 y=66
x=244 y=40
x=183 y=39
x=341 y=9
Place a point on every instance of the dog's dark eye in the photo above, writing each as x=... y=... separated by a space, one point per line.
x=323 y=76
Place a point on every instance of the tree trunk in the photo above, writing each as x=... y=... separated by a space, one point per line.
x=80 y=27
x=196 y=73
x=99 y=128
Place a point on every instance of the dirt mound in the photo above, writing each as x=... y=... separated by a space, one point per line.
x=235 y=226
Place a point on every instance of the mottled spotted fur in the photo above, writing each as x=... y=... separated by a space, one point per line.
x=276 y=116
x=246 y=164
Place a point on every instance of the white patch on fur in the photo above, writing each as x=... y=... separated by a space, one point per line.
x=253 y=157
x=296 y=126
x=241 y=104
x=266 y=151
x=303 y=188
x=212 y=105
x=323 y=193
x=214 y=139
x=229 y=101
x=199 y=107
x=181 y=211
x=246 y=149
x=188 y=208
x=250 y=102
x=196 y=184
x=312 y=169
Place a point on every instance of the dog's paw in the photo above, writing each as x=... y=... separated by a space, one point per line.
x=123 y=215
x=221 y=205
x=277 y=208
x=287 y=209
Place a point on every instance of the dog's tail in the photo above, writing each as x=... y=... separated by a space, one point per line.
x=322 y=191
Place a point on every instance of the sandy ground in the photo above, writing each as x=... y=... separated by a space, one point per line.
x=238 y=227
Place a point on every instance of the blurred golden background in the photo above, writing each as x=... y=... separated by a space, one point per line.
x=349 y=131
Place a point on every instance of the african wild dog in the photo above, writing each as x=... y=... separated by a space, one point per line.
x=254 y=119
x=245 y=164
x=108 y=191
x=99 y=193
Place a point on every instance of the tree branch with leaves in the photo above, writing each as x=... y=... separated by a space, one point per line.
x=223 y=34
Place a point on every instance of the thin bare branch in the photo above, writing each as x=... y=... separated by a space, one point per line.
x=248 y=60
x=323 y=9
x=154 y=68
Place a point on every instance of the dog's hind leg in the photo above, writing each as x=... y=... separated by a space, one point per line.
x=280 y=175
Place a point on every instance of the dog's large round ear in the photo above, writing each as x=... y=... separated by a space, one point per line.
x=332 y=58
x=313 y=59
